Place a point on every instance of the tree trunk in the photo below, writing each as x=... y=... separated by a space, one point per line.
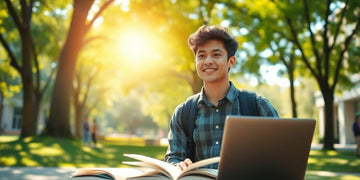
x=292 y=94
x=196 y=83
x=78 y=121
x=58 y=124
x=28 y=127
x=328 y=96
x=37 y=107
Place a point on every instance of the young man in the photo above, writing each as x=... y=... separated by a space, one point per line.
x=214 y=51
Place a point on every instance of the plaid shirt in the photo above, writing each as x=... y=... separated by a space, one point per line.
x=209 y=126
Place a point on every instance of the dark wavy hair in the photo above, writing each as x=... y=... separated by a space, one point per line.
x=207 y=33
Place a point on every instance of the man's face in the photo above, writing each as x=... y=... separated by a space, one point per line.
x=212 y=62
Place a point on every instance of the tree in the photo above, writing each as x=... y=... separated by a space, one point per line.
x=80 y=95
x=321 y=34
x=324 y=33
x=265 y=41
x=33 y=89
x=23 y=25
x=90 y=84
x=58 y=124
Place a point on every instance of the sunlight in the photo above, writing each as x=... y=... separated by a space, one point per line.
x=47 y=151
x=9 y=161
x=137 y=48
x=29 y=162
x=7 y=139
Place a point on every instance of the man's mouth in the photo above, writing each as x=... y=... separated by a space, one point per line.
x=209 y=70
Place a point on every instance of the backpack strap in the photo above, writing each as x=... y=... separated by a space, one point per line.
x=189 y=115
x=248 y=104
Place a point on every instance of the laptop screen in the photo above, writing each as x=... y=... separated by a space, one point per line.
x=265 y=148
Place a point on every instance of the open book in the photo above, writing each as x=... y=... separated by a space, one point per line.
x=150 y=168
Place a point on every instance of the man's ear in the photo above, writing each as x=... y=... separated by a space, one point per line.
x=231 y=61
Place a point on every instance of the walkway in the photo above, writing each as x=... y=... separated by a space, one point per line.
x=54 y=173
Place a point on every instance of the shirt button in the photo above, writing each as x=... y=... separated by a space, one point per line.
x=217 y=110
x=217 y=142
x=217 y=126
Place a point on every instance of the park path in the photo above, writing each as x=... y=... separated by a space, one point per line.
x=55 y=173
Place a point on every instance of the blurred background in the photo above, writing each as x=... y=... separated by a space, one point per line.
x=127 y=63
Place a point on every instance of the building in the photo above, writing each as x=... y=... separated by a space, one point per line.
x=346 y=106
x=12 y=117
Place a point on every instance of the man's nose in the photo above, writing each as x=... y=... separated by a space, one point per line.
x=208 y=60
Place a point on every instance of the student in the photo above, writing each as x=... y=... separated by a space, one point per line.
x=93 y=132
x=214 y=51
x=86 y=133
x=356 y=130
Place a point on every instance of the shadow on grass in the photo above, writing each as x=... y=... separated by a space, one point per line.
x=51 y=152
x=335 y=161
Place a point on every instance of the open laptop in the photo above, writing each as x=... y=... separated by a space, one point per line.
x=265 y=148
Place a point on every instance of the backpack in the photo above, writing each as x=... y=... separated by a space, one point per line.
x=189 y=113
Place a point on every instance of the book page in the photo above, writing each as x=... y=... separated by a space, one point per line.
x=203 y=172
x=156 y=169
x=173 y=171
x=202 y=163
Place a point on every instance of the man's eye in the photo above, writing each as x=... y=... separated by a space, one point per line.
x=216 y=55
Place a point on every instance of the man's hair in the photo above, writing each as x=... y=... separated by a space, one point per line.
x=207 y=33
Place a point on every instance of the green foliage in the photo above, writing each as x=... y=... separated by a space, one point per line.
x=126 y=116
x=10 y=84
x=162 y=97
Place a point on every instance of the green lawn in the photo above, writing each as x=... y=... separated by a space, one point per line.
x=52 y=152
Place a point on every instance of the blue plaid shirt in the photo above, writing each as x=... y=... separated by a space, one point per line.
x=209 y=126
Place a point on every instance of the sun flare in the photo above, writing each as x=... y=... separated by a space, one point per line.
x=137 y=48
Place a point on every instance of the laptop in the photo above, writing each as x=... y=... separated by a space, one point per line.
x=265 y=148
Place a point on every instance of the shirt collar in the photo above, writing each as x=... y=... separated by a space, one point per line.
x=230 y=95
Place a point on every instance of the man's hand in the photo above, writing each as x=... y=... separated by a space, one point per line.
x=184 y=164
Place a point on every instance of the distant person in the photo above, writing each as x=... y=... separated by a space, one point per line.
x=214 y=51
x=356 y=129
x=86 y=135
x=93 y=132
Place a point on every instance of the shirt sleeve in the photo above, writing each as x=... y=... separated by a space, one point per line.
x=265 y=108
x=177 y=149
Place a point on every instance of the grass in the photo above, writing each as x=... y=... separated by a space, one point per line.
x=335 y=161
x=50 y=152
x=332 y=161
